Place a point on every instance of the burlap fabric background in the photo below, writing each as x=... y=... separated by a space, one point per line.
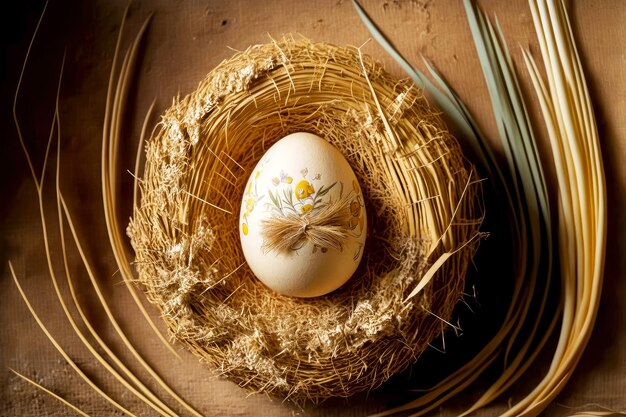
x=186 y=40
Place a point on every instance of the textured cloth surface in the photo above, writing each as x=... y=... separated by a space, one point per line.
x=184 y=41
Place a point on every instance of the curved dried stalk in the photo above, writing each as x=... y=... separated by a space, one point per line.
x=524 y=228
x=110 y=144
x=573 y=135
x=39 y=188
x=582 y=205
x=129 y=380
x=150 y=399
x=110 y=150
x=139 y=153
x=58 y=347
x=51 y=393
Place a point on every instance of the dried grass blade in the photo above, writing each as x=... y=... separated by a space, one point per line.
x=110 y=138
x=152 y=401
x=145 y=395
x=382 y=40
x=161 y=408
x=61 y=350
x=525 y=187
x=110 y=145
x=29 y=161
x=142 y=139
x=582 y=193
x=51 y=393
x=429 y=274
x=449 y=107
x=56 y=129
x=525 y=168
x=149 y=398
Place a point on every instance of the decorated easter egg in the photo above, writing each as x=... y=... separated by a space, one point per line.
x=302 y=220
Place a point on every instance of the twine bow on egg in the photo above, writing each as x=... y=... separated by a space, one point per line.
x=327 y=228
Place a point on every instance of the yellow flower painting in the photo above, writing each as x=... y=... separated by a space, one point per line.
x=304 y=189
x=307 y=198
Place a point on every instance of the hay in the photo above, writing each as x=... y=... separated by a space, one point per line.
x=422 y=205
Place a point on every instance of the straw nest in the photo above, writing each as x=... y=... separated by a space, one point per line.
x=423 y=213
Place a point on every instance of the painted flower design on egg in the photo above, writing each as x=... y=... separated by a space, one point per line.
x=356 y=206
x=282 y=178
x=303 y=199
x=302 y=217
x=304 y=193
x=251 y=197
x=304 y=189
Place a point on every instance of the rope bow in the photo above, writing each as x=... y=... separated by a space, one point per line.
x=326 y=228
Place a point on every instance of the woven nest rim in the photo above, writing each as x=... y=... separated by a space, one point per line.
x=422 y=201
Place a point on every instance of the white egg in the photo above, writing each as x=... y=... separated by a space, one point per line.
x=298 y=182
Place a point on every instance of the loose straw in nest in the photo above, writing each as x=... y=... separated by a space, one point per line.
x=421 y=200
